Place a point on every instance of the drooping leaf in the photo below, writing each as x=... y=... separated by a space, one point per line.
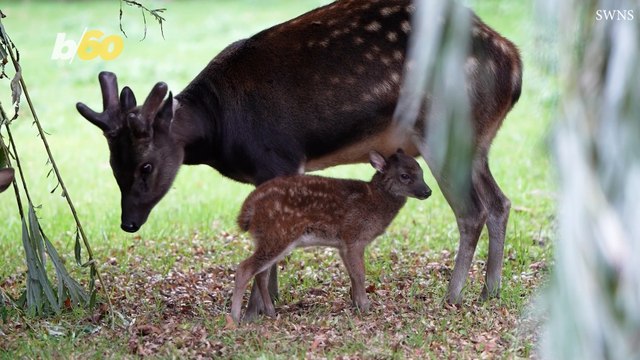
x=16 y=92
x=77 y=249
x=65 y=281
x=36 y=235
x=37 y=281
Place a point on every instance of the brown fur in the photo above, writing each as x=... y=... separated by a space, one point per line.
x=297 y=211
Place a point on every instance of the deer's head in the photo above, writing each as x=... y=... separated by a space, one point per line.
x=401 y=174
x=144 y=156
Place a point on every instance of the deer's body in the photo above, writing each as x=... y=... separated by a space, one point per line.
x=299 y=211
x=314 y=92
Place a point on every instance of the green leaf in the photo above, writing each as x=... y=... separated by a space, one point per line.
x=3 y=158
x=38 y=282
x=16 y=92
x=78 y=249
x=73 y=288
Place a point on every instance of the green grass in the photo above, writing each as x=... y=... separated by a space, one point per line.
x=192 y=231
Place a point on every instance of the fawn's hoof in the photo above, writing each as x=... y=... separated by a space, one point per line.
x=362 y=306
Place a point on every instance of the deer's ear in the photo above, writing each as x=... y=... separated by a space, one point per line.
x=165 y=114
x=377 y=161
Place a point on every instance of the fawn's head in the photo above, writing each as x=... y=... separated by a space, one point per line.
x=144 y=156
x=401 y=174
x=6 y=177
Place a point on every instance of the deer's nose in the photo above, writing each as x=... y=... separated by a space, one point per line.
x=130 y=227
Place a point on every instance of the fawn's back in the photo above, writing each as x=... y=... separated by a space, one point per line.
x=324 y=209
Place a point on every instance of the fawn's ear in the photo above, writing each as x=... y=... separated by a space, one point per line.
x=377 y=161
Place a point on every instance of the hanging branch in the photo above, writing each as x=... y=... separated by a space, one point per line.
x=36 y=239
x=156 y=13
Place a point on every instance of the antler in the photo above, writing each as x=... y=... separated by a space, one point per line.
x=109 y=119
x=154 y=100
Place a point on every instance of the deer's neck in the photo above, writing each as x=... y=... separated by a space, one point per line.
x=389 y=201
x=195 y=131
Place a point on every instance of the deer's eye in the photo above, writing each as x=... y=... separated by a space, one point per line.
x=146 y=169
x=405 y=177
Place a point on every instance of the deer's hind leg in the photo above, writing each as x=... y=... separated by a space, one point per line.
x=464 y=197
x=498 y=207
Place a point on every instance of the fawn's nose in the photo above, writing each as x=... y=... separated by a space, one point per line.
x=424 y=194
x=130 y=227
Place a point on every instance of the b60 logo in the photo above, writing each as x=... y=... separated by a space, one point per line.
x=92 y=44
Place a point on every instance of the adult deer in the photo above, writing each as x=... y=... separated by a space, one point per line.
x=313 y=92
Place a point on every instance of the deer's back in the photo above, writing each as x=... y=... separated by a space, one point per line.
x=329 y=80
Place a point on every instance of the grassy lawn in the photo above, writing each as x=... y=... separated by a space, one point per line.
x=172 y=280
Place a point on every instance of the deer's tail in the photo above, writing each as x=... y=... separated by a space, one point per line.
x=246 y=215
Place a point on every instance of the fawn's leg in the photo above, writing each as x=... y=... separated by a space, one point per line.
x=262 y=279
x=353 y=258
x=246 y=270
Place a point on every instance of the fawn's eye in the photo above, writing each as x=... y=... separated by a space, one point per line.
x=405 y=177
x=146 y=169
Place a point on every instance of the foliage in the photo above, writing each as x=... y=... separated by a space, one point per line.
x=40 y=297
x=155 y=13
x=594 y=299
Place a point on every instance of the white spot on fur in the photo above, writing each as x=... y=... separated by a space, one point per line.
x=382 y=88
x=405 y=26
x=493 y=67
x=324 y=43
x=369 y=56
x=397 y=55
x=395 y=77
x=373 y=26
x=471 y=65
x=410 y=8
x=358 y=40
x=392 y=36
x=366 y=97
x=390 y=10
